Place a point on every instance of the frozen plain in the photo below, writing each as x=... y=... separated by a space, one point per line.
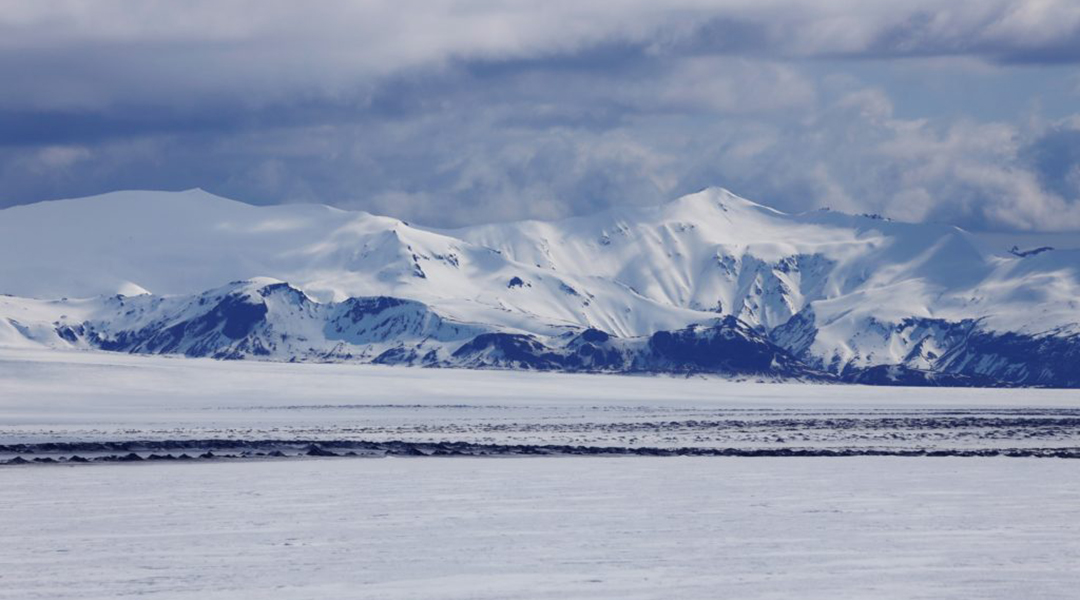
x=570 y=527
x=55 y=396
x=558 y=526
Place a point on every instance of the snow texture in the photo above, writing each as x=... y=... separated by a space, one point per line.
x=54 y=396
x=461 y=528
x=553 y=527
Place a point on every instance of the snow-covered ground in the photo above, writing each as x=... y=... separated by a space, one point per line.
x=55 y=396
x=542 y=527
x=461 y=528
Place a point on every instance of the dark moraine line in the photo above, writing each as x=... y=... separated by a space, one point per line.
x=220 y=449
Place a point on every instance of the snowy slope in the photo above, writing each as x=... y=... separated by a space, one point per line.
x=868 y=291
x=835 y=292
x=267 y=319
x=715 y=250
x=187 y=242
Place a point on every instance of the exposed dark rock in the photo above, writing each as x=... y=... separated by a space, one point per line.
x=508 y=350
x=907 y=376
x=1016 y=251
x=314 y=450
x=729 y=346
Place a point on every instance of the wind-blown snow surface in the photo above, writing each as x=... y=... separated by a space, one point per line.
x=859 y=297
x=54 y=396
x=458 y=528
x=553 y=527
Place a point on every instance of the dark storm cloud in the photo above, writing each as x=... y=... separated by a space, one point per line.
x=452 y=112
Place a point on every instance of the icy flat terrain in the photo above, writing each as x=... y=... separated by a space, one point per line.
x=53 y=396
x=400 y=524
x=465 y=528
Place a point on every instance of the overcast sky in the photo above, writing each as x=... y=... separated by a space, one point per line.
x=458 y=112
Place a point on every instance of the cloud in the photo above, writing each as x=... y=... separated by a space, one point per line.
x=855 y=155
x=71 y=55
x=60 y=157
x=451 y=112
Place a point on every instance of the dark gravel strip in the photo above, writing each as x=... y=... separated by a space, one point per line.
x=214 y=449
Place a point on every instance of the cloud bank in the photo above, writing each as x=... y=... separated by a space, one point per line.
x=451 y=113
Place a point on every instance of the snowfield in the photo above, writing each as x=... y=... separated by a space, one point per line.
x=68 y=396
x=451 y=526
x=460 y=528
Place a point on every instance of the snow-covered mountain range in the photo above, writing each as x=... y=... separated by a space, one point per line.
x=710 y=282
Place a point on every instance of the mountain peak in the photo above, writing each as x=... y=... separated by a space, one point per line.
x=718 y=198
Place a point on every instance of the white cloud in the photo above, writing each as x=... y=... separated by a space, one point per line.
x=61 y=157
x=50 y=160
